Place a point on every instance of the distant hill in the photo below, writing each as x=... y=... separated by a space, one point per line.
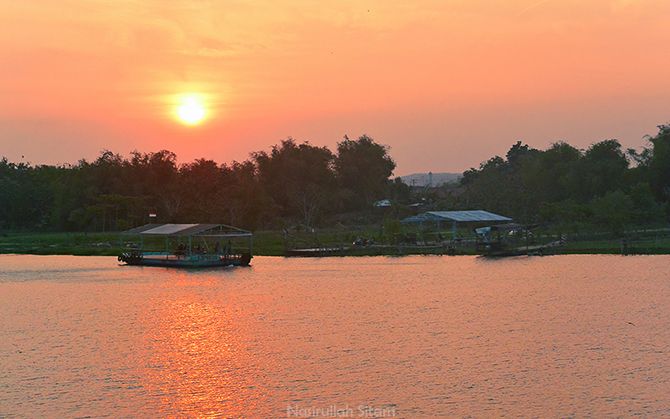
x=422 y=179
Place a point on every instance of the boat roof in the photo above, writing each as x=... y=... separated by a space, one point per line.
x=203 y=230
x=469 y=216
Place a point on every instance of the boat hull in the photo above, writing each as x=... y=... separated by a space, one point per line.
x=177 y=261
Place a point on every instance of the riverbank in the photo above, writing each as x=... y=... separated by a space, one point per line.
x=271 y=243
x=101 y=244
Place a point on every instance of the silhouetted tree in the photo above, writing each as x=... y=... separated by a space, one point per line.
x=306 y=184
x=298 y=178
x=659 y=163
x=363 y=168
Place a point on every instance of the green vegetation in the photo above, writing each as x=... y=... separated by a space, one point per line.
x=272 y=243
x=649 y=246
x=293 y=184
x=602 y=188
x=266 y=243
x=60 y=243
x=304 y=195
x=102 y=244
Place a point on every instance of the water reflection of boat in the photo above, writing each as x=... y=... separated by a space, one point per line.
x=188 y=246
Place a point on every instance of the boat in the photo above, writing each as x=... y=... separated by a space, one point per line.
x=509 y=242
x=317 y=252
x=188 y=246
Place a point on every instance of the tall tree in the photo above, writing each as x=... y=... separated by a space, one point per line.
x=201 y=188
x=363 y=168
x=602 y=169
x=659 y=163
x=298 y=177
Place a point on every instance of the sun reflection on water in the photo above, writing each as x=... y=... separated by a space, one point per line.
x=197 y=362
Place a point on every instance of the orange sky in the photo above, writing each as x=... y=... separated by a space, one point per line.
x=445 y=83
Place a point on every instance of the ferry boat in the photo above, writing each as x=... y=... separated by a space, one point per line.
x=188 y=246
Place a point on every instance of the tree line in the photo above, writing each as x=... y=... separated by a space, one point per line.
x=604 y=186
x=293 y=183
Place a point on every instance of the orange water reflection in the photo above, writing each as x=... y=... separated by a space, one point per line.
x=197 y=362
x=421 y=336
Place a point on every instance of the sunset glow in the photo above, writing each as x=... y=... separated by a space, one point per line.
x=428 y=78
x=334 y=208
x=191 y=109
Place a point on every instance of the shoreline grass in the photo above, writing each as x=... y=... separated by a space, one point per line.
x=270 y=243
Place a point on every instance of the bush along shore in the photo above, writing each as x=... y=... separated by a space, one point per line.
x=344 y=243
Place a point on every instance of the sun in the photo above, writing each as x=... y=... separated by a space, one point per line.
x=191 y=109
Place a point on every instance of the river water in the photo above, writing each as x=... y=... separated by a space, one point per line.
x=413 y=336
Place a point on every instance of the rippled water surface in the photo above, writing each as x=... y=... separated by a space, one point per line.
x=411 y=336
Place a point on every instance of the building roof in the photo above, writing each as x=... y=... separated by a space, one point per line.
x=138 y=230
x=203 y=230
x=469 y=216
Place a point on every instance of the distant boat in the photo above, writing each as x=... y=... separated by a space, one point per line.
x=503 y=245
x=188 y=246
x=317 y=252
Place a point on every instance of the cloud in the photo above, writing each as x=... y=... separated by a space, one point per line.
x=533 y=6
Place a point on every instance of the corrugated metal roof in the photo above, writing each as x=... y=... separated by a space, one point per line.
x=419 y=218
x=138 y=230
x=210 y=230
x=168 y=229
x=469 y=216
